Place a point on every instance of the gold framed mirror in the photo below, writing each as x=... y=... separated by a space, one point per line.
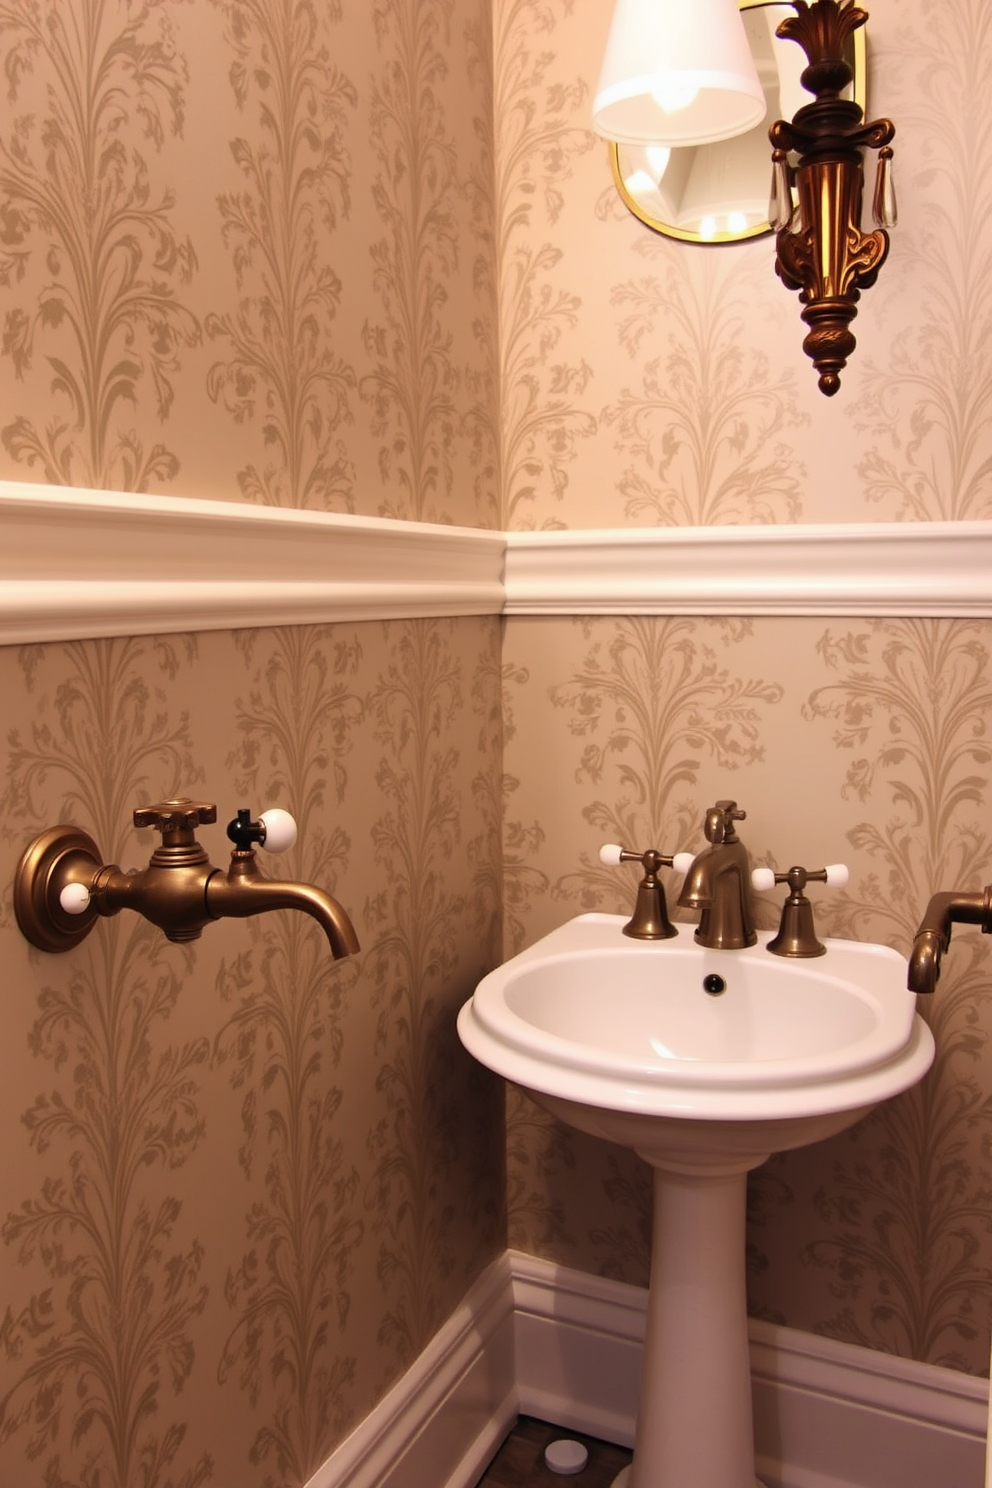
x=719 y=193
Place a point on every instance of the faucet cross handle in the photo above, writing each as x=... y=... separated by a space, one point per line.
x=650 y=918
x=796 y=934
x=611 y=854
x=181 y=815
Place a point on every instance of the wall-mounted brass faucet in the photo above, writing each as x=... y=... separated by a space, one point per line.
x=718 y=883
x=650 y=918
x=796 y=932
x=62 y=886
x=934 y=933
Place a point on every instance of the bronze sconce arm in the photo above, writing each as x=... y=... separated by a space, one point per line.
x=62 y=886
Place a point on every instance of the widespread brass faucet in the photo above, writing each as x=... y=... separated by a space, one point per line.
x=718 y=883
x=934 y=933
x=62 y=885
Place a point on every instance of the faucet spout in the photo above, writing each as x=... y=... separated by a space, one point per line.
x=244 y=890
x=718 y=883
x=933 y=935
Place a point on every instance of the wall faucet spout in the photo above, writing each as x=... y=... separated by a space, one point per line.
x=244 y=890
x=934 y=933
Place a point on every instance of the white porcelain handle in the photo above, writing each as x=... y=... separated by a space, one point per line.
x=280 y=830
x=836 y=876
x=74 y=898
x=610 y=854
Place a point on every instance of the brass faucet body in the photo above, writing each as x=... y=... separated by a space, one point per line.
x=180 y=890
x=934 y=933
x=718 y=884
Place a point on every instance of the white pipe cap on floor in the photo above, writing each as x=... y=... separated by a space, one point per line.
x=565 y=1457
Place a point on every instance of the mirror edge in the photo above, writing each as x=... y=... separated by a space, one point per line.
x=760 y=229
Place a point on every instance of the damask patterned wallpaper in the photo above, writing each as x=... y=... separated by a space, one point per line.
x=365 y=257
x=648 y=382
x=244 y=1184
x=245 y=253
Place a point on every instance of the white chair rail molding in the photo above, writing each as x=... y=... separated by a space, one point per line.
x=84 y=563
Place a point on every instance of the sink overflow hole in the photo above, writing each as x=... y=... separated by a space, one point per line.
x=714 y=985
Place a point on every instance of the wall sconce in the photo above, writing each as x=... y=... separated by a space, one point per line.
x=677 y=72
x=820 y=248
x=818 y=169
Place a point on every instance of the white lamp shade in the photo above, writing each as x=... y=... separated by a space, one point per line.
x=677 y=72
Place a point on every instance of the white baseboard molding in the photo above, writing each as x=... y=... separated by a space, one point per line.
x=546 y=1341
x=444 y=1419
x=826 y=1414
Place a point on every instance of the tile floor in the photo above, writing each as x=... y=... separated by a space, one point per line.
x=519 y=1463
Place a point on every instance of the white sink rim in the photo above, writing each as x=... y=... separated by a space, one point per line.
x=890 y=1057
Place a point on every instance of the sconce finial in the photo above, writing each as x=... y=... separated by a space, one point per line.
x=820 y=248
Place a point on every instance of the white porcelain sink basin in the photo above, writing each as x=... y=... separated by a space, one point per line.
x=589 y=1015
x=705 y=1063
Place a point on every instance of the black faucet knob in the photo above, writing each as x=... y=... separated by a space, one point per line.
x=275 y=830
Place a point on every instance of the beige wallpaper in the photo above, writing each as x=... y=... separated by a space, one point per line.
x=245 y=253
x=865 y=743
x=246 y=245
x=366 y=257
x=650 y=382
x=244 y=1184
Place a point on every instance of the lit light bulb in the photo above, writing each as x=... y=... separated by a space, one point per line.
x=737 y=222
x=658 y=157
x=707 y=227
x=674 y=92
x=639 y=183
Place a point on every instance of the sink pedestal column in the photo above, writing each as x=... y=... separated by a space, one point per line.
x=694 y=1424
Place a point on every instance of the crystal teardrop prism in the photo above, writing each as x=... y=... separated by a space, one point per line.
x=780 y=205
x=884 y=211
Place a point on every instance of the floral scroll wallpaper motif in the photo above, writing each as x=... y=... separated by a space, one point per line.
x=236 y=1191
x=366 y=257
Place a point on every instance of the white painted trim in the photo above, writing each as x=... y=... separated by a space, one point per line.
x=444 y=1419
x=827 y=1414
x=77 y=563
x=565 y=1346
x=912 y=568
x=91 y=563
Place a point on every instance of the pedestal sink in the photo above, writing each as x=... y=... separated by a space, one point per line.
x=705 y=1063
